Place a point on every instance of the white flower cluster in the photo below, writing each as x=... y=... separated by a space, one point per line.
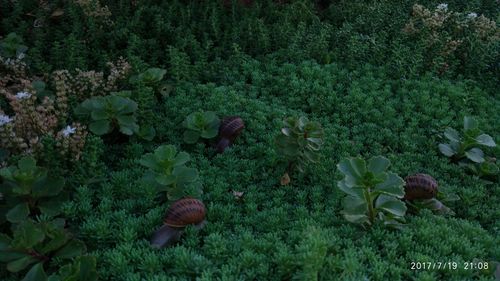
x=442 y=7
x=68 y=131
x=4 y=119
x=471 y=15
x=22 y=95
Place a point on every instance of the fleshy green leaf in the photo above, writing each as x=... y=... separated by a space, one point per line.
x=393 y=185
x=72 y=249
x=100 y=127
x=485 y=140
x=452 y=134
x=446 y=150
x=19 y=213
x=475 y=155
x=27 y=164
x=470 y=123
x=378 y=164
x=181 y=158
x=36 y=273
x=48 y=187
x=191 y=136
x=391 y=205
x=20 y=264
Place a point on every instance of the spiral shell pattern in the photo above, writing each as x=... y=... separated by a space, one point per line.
x=420 y=186
x=184 y=212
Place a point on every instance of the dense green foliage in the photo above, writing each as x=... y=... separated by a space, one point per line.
x=349 y=66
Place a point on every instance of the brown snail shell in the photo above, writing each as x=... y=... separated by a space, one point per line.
x=181 y=213
x=420 y=186
x=230 y=128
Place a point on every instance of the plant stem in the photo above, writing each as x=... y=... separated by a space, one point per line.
x=368 y=199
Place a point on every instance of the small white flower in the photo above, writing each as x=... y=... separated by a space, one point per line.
x=442 y=7
x=471 y=15
x=4 y=119
x=22 y=95
x=68 y=131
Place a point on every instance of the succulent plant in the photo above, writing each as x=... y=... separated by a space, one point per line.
x=372 y=193
x=168 y=172
x=29 y=190
x=109 y=112
x=37 y=244
x=151 y=77
x=200 y=124
x=299 y=142
x=12 y=46
x=467 y=145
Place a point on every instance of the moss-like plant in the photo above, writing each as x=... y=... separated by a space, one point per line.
x=168 y=172
x=372 y=193
x=299 y=142
x=37 y=244
x=28 y=190
x=109 y=112
x=200 y=124
x=466 y=149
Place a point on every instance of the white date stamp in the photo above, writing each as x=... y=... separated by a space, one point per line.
x=448 y=265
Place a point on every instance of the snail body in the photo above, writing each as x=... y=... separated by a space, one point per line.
x=229 y=129
x=181 y=213
x=420 y=186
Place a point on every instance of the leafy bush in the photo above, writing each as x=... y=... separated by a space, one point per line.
x=30 y=191
x=372 y=193
x=466 y=149
x=109 y=112
x=200 y=124
x=299 y=142
x=42 y=244
x=168 y=172
x=12 y=46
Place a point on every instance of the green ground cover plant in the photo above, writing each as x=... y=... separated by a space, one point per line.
x=376 y=86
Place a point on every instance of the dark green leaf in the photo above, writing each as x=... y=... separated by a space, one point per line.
x=391 y=205
x=485 y=140
x=378 y=164
x=475 y=155
x=72 y=249
x=20 y=264
x=36 y=273
x=19 y=213
x=100 y=127
x=446 y=150
x=48 y=187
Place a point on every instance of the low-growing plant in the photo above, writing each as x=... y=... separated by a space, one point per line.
x=109 y=112
x=372 y=193
x=12 y=46
x=169 y=173
x=151 y=77
x=437 y=205
x=300 y=141
x=30 y=191
x=38 y=244
x=466 y=149
x=200 y=124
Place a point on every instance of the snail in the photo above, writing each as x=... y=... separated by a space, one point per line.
x=420 y=186
x=180 y=214
x=230 y=128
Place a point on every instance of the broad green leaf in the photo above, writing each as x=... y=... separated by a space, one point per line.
x=446 y=150
x=125 y=119
x=48 y=187
x=358 y=219
x=4 y=241
x=378 y=164
x=393 y=185
x=99 y=115
x=165 y=152
x=391 y=205
x=475 y=155
x=485 y=140
x=52 y=207
x=353 y=191
x=126 y=130
x=165 y=179
x=27 y=235
x=286 y=131
x=452 y=134
x=209 y=133
x=19 y=213
x=185 y=174
x=149 y=160
x=100 y=127
x=181 y=158
x=36 y=273
x=27 y=164
x=10 y=255
x=20 y=264
x=191 y=136
x=469 y=123
x=72 y=249
x=354 y=205
x=354 y=175
x=57 y=241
